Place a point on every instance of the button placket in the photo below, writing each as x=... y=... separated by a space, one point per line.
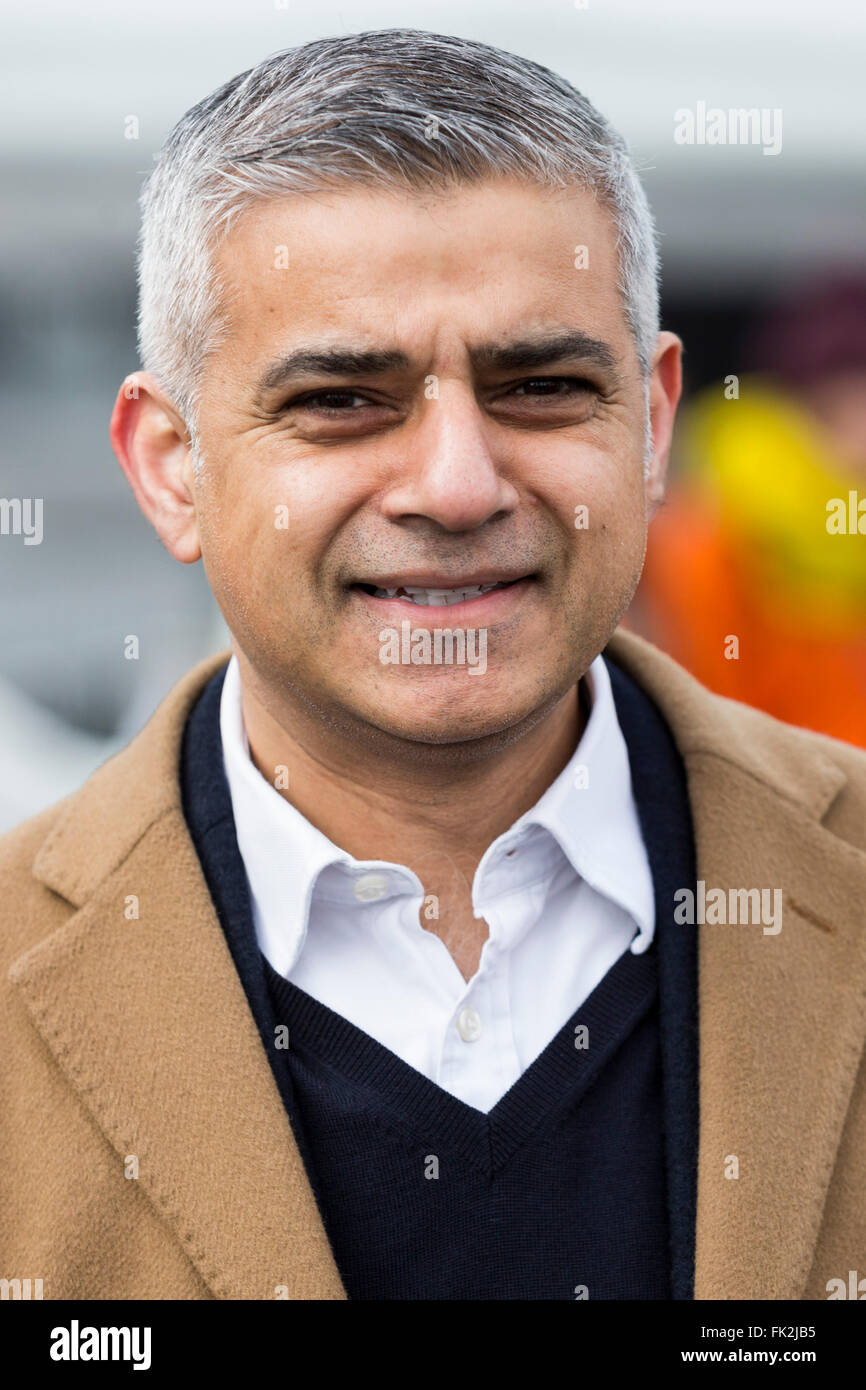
x=469 y=1024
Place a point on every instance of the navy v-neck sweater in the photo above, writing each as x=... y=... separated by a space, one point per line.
x=581 y=1181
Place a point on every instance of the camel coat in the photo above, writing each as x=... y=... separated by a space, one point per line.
x=144 y=1148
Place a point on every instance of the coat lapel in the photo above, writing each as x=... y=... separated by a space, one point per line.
x=781 y=1019
x=148 y=1019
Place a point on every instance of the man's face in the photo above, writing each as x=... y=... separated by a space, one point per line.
x=461 y=443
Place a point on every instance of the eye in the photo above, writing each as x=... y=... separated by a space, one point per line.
x=328 y=402
x=562 y=386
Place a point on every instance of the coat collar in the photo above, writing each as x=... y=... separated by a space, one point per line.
x=180 y=1078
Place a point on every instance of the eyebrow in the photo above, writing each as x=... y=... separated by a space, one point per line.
x=342 y=360
x=538 y=349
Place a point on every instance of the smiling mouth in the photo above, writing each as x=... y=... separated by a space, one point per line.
x=438 y=597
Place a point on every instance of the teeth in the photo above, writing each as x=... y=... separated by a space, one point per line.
x=437 y=598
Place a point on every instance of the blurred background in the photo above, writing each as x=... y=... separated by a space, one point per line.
x=764 y=262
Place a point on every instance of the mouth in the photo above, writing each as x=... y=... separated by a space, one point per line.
x=482 y=596
x=436 y=597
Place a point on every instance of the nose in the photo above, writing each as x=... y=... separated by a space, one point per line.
x=451 y=475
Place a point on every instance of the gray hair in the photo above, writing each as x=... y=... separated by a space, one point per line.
x=386 y=107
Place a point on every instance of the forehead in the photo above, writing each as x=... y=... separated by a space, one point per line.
x=481 y=260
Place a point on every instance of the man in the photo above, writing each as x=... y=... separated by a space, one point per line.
x=446 y=942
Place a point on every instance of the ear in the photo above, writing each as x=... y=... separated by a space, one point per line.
x=665 y=388
x=152 y=445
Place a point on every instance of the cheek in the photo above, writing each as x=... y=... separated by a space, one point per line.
x=259 y=521
x=599 y=503
x=301 y=503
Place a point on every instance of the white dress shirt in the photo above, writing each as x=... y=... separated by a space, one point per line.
x=564 y=892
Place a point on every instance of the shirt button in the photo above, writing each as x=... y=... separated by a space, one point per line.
x=469 y=1025
x=370 y=888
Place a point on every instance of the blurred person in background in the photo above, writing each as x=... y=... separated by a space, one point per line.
x=748 y=546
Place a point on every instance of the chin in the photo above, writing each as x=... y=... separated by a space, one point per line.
x=440 y=718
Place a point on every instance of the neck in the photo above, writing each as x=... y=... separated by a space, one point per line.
x=402 y=809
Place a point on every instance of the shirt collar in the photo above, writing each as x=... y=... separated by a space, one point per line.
x=588 y=811
x=286 y=858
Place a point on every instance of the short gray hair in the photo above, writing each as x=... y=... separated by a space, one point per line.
x=363 y=108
